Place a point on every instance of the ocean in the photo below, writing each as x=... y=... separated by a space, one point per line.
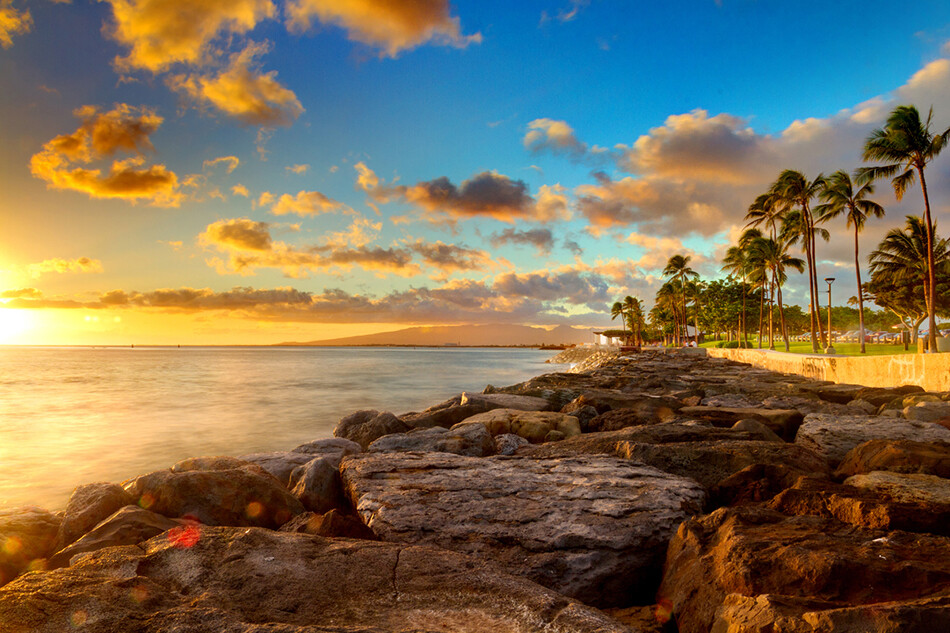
x=70 y=416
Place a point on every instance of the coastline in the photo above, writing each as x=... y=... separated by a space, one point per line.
x=706 y=446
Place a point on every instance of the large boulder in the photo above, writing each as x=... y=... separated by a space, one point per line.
x=645 y=413
x=928 y=411
x=911 y=488
x=333 y=524
x=280 y=464
x=88 y=505
x=880 y=396
x=898 y=456
x=594 y=528
x=709 y=462
x=832 y=436
x=449 y=413
x=839 y=394
x=317 y=485
x=465 y=438
x=365 y=426
x=332 y=448
x=27 y=537
x=804 y=569
x=127 y=526
x=236 y=496
x=534 y=426
x=504 y=401
x=604 y=401
x=782 y=422
x=240 y=580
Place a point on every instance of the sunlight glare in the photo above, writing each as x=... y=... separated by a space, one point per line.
x=13 y=323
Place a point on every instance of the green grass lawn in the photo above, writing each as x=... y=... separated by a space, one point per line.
x=843 y=349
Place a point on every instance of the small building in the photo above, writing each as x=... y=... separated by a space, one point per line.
x=608 y=338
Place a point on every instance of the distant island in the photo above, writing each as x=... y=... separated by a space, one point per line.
x=499 y=335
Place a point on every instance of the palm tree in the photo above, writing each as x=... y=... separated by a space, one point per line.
x=774 y=255
x=755 y=271
x=634 y=311
x=736 y=263
x=767 y=210
x=901 y=257
x=794 y=190
x=666 y=300
x=906 y=145
x=616 y=310
x=677 y=268
x=840 y=197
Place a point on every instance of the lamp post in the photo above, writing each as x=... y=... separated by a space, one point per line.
x=831 y=348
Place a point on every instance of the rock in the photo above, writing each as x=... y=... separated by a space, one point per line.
x=914 y=399
x=861 y=406
x=782 y=422
x=728 y=401
x=333 y=448
x=447 y=414
x=709 y=462
x=333 y=524
x=616 y=419
x=280 y=464
x=27 y=538
x=239 y=580
x=928 y=411
x=651 y=618
x=236 y=496
x=508 y=443
x=605 y=401
x=840 y=394
x=317 y=485
x=593 y=528
x=504 y=401
x=862 y=507
x=557 y=388
x=363 y=427
x=879 y=396
x=898 y=456
x=531 y=425
x=127 y=526
x=554 y=436
x=755 y=483
x=912 y=488
x=88 y=505
x=211 y=463
x=813 y=566
x=763 y=432
x=583 y=412
x=832 y=436
x=465 y=438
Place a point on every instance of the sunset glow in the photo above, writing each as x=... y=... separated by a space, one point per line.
x=264 y=171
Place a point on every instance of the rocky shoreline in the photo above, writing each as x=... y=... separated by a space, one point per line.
x=656 y=492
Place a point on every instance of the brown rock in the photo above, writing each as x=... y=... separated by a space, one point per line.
x=333 y=524
x=710 y=462
x=363 y=427
x=643 y=414
x=237 y=496
x=317 y=485
x=783 y=422
x=279 y=464
x=839 y=394
x=755 y=483
x=465 y=438
x=219 y=462
x=531 y=425
x=127 y=526
x=605 y=401
x=880 y=396
x=752 y=551
x=88 y=505
x=898 y=456
x=239 y=580
x=27 y=537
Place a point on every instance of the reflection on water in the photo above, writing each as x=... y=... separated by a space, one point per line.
x=77 y=415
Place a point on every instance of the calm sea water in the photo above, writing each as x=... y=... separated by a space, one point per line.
x=70 y=416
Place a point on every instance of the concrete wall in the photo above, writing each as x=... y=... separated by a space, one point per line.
x=930 y=371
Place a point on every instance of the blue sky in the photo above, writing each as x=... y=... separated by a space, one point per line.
x=597 y=139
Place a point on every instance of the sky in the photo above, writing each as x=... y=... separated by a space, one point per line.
x=260 y=171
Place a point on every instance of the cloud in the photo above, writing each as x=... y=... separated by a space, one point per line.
x=306 y=203
x=567 y=14
x=230 y=162
x=59 y=265
x=552 y=204
x=568 y=285
x=13 y=22
x=541 y=239
x=21 y=293
x=241 y=91
x=554 y=136
x=298 y=169
x=161 y=33
x=238 y=233
x=391 y=26
x=448 y=258
x=361 y=232
x=658 y=250
x=100 y=136
x=240 y=190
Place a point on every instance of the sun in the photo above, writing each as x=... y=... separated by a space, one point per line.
x=13 y=323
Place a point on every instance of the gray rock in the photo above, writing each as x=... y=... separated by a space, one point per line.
x=88 y=505
x=505 y=401
x=317 y=485
x=928 y=411
x=365 y=426
x=127 y=526
x=465 y=438
x=531 y=425
x=240 y=580
x=583 y=412
x=280 y=464
x=333 y=448
x=832 y=436
x=859 y=405
x=508 y=443
x=594 y=528
x=755 y=426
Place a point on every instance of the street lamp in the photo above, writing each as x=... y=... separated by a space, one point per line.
x=830 y=349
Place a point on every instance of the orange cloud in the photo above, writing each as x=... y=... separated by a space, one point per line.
x=100 y=136
x=306 y=203
x=297 y=169
x=13 y=22
x=21 y=293
x=448 y=258
x=230 y=162
x=389 y=25
x=242 y=92
x=161 y=33
x=556 y=136
x=59 y=265
x=239 y=233
x=240 y=190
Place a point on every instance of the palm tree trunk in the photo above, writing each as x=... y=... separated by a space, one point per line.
x=781 y=313
x=931 y=273
x=811 y=289
x=857 y=270
x=761 y=311
x=745 y=333
x=771 y=315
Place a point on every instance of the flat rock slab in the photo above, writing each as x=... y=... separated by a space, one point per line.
x=833 y=436
x=594 y=528
x=782 y=422
x=238 y=580
x=910 y=488
x=899 y=456
x=505 y=401
x=465 y=438
x=534 y=426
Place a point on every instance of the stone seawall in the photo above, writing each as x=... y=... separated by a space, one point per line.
x=930 y=371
